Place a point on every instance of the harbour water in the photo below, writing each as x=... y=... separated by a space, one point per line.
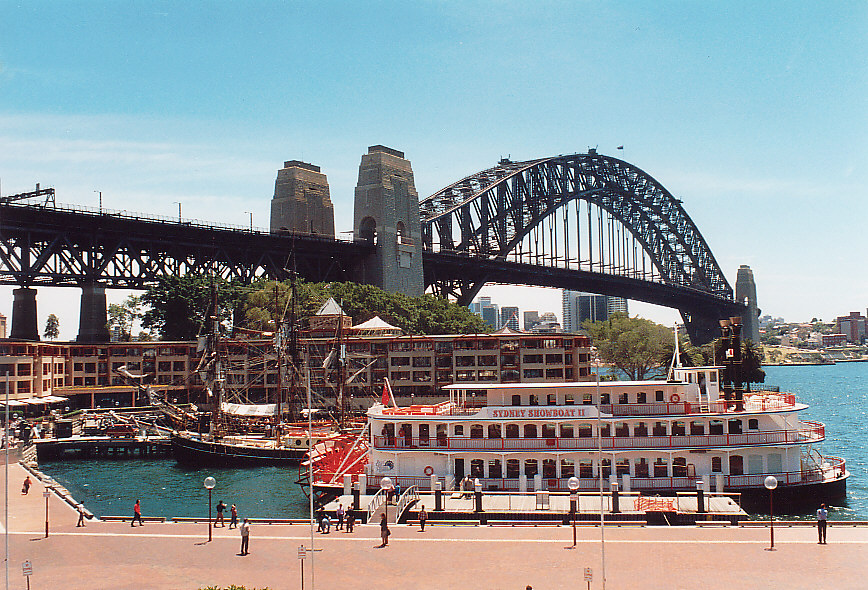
x=837 y=394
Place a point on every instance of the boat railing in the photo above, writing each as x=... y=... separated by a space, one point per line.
x=405 y=501
x=806 y=432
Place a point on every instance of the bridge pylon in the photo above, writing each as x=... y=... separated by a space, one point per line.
x=387 y=215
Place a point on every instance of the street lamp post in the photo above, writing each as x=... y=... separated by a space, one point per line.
x=573 y=484
x=46 y=494
x=210 y=482
x=386 y=485
x=771 y=483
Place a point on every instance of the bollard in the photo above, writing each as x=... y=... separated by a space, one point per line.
x=356 y=500
x=348 y=484
x=438 y=497
x=433 y=481
x=615 y=508
x=478 y=494
x=700 y=497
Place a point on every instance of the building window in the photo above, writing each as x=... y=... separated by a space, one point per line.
x=533 y=358
x=494 y=431
x=476 y=468
x=531 y=467
x=568 y=468
x=476 y=431
x=530 y=430
x=400 y=361
x=567 y=431
x=549 y=469
x=495 y=470
x=512 y=431
x=716 y=465
x=549 y=431
x=421 y=361
x=513 y=467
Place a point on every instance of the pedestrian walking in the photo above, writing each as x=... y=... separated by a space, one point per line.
x=233 y=517
x=326 y=524
x=822 y=515
x=80 y=508
x=423 y=516
x=320 y=520
x=339 y=513
x=351 y=520
x=137 y=514
x=245 y=537
x=220 y=508
x=25 y=488
x=384 y=530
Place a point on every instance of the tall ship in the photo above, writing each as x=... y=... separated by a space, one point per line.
x=695 y=428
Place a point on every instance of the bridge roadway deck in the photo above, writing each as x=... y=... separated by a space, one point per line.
x=111 y=555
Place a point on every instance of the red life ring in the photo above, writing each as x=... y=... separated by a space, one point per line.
x=674 y=398
x=429 y=470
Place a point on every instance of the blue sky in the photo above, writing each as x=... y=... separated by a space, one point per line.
x=754 y=114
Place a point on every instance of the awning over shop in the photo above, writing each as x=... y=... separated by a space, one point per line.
x=13 y=403
x=249 y=409
x=54 y=398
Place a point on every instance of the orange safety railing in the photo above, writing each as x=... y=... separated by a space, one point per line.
x=654 y=504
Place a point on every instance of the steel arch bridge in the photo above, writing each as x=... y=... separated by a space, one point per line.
x=582 y=221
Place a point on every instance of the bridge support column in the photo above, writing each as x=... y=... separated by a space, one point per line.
x=703 y=328
x=24 y=315
x=745 y=293
x=92 y=318
x=387 y=214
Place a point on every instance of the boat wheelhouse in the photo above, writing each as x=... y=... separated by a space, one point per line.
x=655 y=437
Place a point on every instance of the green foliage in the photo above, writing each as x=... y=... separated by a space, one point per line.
x=52 y=327
x=123 y=316
x=178 y=305
x=636 y=346
x=714 y=352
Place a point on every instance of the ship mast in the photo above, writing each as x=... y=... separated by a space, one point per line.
x=213 y=377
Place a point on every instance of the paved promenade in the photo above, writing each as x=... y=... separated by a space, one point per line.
x=110 y=555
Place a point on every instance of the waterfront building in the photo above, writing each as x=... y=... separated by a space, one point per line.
x=43 y=375
x=531 y=319
x=852 y=326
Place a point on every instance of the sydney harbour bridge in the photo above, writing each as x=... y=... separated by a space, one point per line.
x=584 y=222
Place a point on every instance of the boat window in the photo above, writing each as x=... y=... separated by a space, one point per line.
x=548 y=431
x=659 y=429
x=623 y=398
x=775 y=464
x=567 y=431
x=678 y=429
x=621 y=429
x=423 y=434
x=512 y=431
x=585 y=431
x=641 y=429
x=736 y=465
x=735 y=426
x=531 y=467
x=607 y=468
x=494 y=431
x=476 y=468
x=658 y=395
x=604 y=398
x=407 y=434
x=716 y=465
x=712 y=376
x=388 y=433
x=679 y=467
x=568 y=468
x=459 y=430
x=530 y=430
x=476 y=431
x=513 y=466
x=495 y=470
x=549 y=469
x=715 y=427
x=622 y=467
x=754 y=464
x=641 y=467
x=641 y=397
x=661 y=469
x=516 y=400
x=697 y=428
x=587 y=400
x=569 y=399
x=534 y=400
x=586 y=469
x=606 y=430
x=753 y=424
x=441 y=435
x=552 y=399
x=690 y=377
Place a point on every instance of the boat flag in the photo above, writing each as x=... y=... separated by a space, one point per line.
x=385 y=398
x=730 y=353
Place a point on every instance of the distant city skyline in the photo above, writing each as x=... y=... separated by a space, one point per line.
x=753 y=115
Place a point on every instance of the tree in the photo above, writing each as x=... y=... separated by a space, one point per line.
x=178 y=305
x=636 y=346
x=121 y=317
x=52 y=327
x=714 y=352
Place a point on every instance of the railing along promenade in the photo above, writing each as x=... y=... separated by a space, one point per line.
x=808 y=432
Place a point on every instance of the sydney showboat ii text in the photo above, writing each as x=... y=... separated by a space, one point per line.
x=653 y=437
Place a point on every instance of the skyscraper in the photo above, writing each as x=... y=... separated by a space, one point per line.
x=579 y=306
x=509 y=318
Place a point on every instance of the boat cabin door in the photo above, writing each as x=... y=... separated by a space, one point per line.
x=459 y=470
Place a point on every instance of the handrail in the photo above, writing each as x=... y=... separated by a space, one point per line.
x=808 y=432
x=404 y=502
x=376 y=502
